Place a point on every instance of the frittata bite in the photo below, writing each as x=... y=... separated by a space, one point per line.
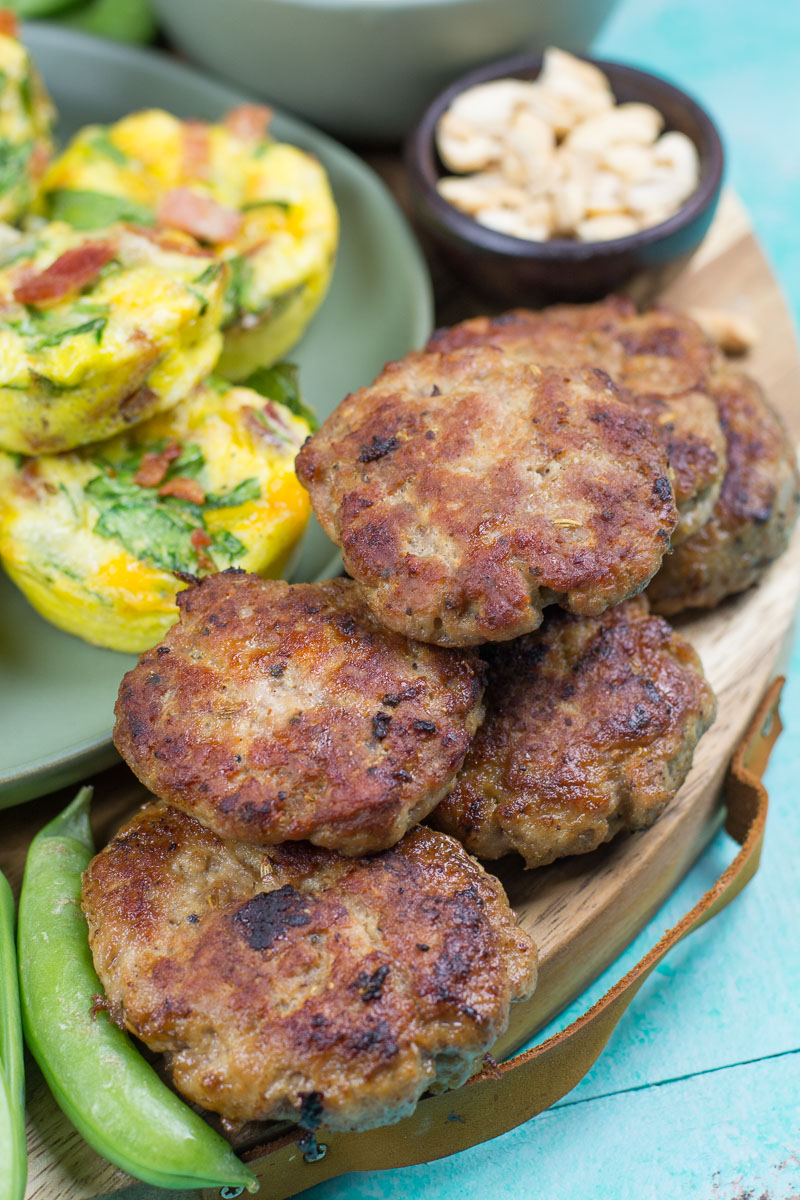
x=469 y=490
x=99 y=332
x=93 y=537
x=591 y=724
x=26 y=121
x=277 y=712
x=264 y=206
x=293 y=983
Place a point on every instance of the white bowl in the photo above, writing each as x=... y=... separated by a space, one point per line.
x=366 y=69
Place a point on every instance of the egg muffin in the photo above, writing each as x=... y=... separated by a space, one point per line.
x=26 y=119
x=263 y=206
x=93 y=537
x=100 y=332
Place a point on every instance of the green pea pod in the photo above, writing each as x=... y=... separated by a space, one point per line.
x=122 y=20
x=113 y=1097
x=13 y=1153
x=40 y=8
x=95 y=210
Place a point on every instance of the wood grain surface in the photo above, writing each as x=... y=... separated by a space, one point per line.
x=582 y=912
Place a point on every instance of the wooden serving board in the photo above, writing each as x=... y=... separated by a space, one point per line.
x=583 y=911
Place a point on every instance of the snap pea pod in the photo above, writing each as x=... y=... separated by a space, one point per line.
x=13 y=1153
x=111 y=1094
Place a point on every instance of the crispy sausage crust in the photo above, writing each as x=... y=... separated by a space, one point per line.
x=590 y=728
x=295 y=983
x=277 y=713
x=468 y=490
x=661 y=355
x=755 y=513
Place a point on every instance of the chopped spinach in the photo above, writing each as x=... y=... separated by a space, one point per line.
x=119 y=476
x=235 y=291
x=248 y=489
x=66 y=492
x=225 y=545
x=43 y=329
x=49 y=386
x=86 y=210
x=12 y=252
x=207 y=276
x=189 y=463
x=55 y=337
x=154 y=533
x=201 y=299
x=13 y=162
x=267 y=203
x=101 y=143
x=280 y=383
x=27 y=92
x=158 y=529
x=210 y=274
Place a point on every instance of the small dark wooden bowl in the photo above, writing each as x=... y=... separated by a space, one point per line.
x=520 y=271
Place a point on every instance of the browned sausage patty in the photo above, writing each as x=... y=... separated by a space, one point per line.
x=754 y=515
x=590 y=728
x=295 y=983
x=468 y=490
x=276 y=713
x=662 y=356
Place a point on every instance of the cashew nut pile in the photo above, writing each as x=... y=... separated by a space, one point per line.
x=559 y=158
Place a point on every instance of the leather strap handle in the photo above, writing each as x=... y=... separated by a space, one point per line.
x=502 y=1097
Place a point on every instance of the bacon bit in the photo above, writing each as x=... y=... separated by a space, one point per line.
x=257 y=426
x=184 y=489
x=154 y=465
x=70 y=272
x=132 y=407
x=274 y=413
x=200 y=539
x=140 y=336
x=198 y=215
x=196 y=149
x=40 y=157
x=28 y=482
x=9 y=25
x=249 y=122
x=172 y=239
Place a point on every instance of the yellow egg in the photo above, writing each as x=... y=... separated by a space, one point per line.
x=93 y=537
x=26 y=120
x=136 y=329
x=264 y=206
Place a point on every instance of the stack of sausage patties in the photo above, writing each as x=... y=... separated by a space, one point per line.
x=279 y=922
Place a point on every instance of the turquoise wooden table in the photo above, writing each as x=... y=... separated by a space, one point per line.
x=698 y=1093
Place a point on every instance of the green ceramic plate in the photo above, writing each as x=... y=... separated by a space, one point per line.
x=56 y=692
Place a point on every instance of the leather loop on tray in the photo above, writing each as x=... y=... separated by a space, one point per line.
x=508 y=1094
